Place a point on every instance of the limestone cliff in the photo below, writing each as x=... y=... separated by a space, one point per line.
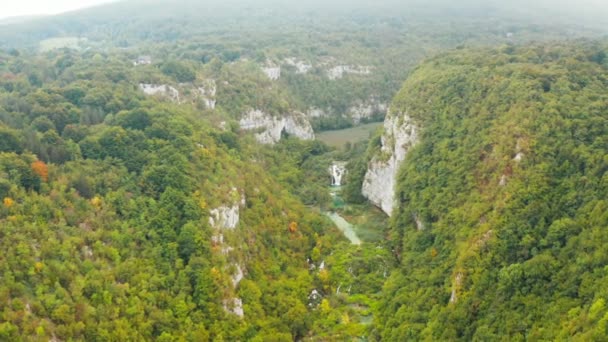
x=367 y=110
x=160 y=89
x=208 y=92
x=400 y=134
x=269 y=129
x=358 y=112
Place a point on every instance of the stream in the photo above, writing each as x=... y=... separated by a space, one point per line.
x=345 y=227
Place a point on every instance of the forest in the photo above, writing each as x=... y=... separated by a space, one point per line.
x=512 y=245
x=116 y=210
x=136 y=206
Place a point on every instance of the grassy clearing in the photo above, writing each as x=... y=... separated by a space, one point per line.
x=339 y=138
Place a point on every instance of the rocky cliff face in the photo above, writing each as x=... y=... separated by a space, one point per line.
x=270 y=129
x=300 y=66
x=160 y=89
x=208 y=92
x=273 y=72
x=357 y=112
x=366 y=110
x=400 y=134
x=339 y=71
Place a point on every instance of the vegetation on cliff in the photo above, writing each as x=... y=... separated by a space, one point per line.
x=509 y=184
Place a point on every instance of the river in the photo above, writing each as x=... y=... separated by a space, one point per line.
x=345 y=227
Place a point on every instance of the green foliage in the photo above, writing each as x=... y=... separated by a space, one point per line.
x=9 y=141
x=179 y=71
x=509 y=181
x=117 y=243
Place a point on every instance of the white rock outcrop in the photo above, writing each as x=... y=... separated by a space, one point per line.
x=237 y=276
x=234 y=306
x=160 y=89
x=456 y=287
x=208 y=91
x=273 y=72
x=367 y=110
x=224 y=217
x=339 y=71
x=301 y=66
x=316 y=113
x=400 y=134
x=270 y=129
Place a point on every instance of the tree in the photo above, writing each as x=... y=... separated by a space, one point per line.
x=41 y=169
x=180 y=71
x=9 y=141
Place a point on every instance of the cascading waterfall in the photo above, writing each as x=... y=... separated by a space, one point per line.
x=337 y=171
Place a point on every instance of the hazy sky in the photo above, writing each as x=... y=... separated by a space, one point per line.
x=13 y=8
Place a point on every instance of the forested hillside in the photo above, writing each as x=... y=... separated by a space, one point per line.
x=501 y=228
x=338 y=60
x=126 y=217
x=160 y=177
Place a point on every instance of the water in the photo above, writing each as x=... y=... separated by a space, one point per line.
x=346 y=228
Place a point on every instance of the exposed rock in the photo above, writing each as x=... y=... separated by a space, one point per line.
x=503 y=180
x=400 y=134
x=87 y=251
x=338 y=72
x=368 y=110
x=273 y=72
x=142 y=60
x=238 y=276
x=270 y=129
x=217 y=239
x=234 y=306
x=419 y=223
x=337 y=170
x=162 y=89
x=224 y=217
x=314 y=298
x=208 y=93
x=316 y=113
x=456 y=287
x=357 y=113
x=518 y=157
x=301 y=67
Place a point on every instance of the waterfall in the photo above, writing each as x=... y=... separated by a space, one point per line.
x=337 y=170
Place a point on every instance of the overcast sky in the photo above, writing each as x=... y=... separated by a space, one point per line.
x=14 y=8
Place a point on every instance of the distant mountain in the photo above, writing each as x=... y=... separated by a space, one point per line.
x=19 y=19
x=128 y=22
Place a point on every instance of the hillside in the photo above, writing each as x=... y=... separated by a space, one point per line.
x=129 y=217
x=500 y=222
x=341 y=62
x=269 y=170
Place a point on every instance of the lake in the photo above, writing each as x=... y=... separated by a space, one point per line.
x=339 y=138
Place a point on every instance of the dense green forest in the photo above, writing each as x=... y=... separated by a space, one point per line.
x=510 y=181
x=111 y=217
x=135 y=205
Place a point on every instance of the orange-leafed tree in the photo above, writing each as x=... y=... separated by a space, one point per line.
x=8 y=202
x=41 y=169
x=293 y=227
